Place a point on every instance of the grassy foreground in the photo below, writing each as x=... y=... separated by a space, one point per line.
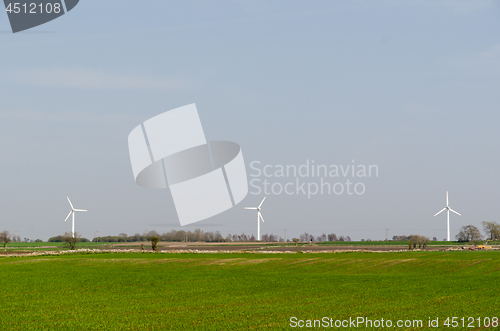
x=133 y=291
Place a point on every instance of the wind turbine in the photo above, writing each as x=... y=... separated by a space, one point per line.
x=448 y=208
x=73 y=210
x=259 y=217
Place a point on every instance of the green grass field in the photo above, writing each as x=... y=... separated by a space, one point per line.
x=133 y=291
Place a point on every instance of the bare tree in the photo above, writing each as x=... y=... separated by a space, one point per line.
x=208 y=236
x=332 y=237
x=469 y=233
x=418 y=240
x=424 y=241
x=70 y=240
x=16 y=238
x=5 y=238
x=492 y=229
x=218 y=236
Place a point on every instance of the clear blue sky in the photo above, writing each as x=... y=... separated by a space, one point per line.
x=410 y=87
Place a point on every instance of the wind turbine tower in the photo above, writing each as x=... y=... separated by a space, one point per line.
x=259 y=217
x=72 y=212
x=448 y=209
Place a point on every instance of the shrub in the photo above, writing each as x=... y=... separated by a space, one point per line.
x=154 y=242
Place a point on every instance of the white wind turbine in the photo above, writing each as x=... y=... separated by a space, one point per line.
x=73 y=210
x=259 y=217
x=449 y=209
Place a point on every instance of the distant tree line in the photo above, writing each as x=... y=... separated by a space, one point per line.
x=183 y=236
x=306 y=237
x=60 y=239
x=467 y=234
x=201 y=236
x=401 y=238
x=6 y=238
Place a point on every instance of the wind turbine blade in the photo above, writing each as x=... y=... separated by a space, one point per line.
x=70 y=203
x=80 y=210
x=262 y=218
x=68 y=215
x=262 y=202
x=455 y=212
x=440 y=212
x=447 y=201
x=250 y=208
